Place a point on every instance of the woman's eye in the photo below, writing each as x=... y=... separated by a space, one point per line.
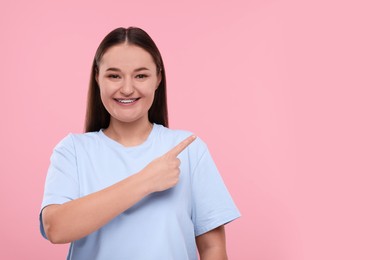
x=141 y=76
x=113 y=76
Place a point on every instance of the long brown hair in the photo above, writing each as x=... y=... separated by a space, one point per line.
x=97 y=117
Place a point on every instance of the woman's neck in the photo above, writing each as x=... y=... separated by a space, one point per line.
x=129 y=134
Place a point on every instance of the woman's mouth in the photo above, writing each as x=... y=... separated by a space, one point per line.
x=126 y=101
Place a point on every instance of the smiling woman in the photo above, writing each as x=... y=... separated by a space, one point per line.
x=127 y=79
x=130 y=187
x=97 y=115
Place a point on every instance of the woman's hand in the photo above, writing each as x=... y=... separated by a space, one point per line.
x=163 y=172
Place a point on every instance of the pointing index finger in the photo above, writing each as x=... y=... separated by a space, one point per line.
x=175 y=151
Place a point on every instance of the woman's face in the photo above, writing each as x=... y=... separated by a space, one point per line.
x=127 y=79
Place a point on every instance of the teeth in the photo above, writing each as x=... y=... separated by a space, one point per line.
x=126 y=101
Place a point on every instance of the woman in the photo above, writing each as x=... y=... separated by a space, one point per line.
x=131 y=188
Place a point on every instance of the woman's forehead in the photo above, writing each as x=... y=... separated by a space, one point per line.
x=125 y=55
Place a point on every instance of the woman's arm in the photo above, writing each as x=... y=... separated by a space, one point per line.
x=77 y=218
x=212 y=245
x=80 y=217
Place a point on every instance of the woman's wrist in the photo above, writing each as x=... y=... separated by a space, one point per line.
x=142 y=182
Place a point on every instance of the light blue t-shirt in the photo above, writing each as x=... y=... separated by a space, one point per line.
x=163 y=225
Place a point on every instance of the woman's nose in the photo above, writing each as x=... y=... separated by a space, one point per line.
x=127 y=87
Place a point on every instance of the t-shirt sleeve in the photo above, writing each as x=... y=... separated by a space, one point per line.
x=212 y=204
x=62 y=179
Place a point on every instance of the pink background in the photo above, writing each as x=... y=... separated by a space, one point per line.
x=292 y=98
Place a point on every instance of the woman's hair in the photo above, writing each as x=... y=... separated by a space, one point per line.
x=97 y=117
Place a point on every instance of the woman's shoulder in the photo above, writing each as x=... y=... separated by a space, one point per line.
x=172 y=133
x=177 y=135
x=74 y=139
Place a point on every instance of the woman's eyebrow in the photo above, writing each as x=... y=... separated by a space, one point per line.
x=113 y=69
x=136 y=70
x=139 y=69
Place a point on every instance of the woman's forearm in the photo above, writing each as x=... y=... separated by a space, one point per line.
x=78 y=218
